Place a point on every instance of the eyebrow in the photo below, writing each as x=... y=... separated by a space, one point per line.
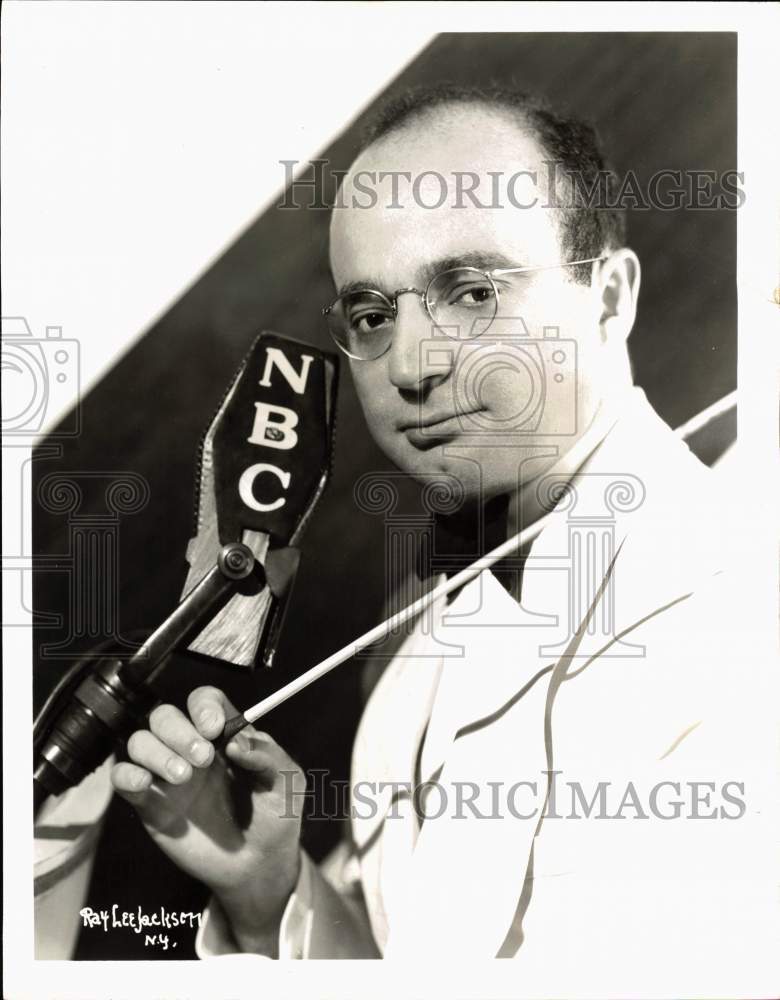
x=469 y=258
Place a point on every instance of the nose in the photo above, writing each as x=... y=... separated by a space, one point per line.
x=414 y=364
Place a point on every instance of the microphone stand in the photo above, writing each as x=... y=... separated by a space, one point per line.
x=112 y=700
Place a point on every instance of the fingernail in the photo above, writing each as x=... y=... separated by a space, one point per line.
x=200 y=751
x=207 y=719
x=177 y=768
x=242 y=743
x=138 y=780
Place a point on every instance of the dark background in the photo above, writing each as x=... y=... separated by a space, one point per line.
x=659 y=101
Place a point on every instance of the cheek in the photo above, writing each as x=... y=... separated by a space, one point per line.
x=501 y=380
x=562 y=304
x=521 y=387
x=370 y=381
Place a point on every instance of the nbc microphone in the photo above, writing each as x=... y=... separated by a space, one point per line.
x=264 y=463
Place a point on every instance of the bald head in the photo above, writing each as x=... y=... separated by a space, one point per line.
x=585 y=183
x=474 y=174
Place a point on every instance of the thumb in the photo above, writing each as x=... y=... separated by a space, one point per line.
x=256 y=753
x=272 y=767
x=152 y=803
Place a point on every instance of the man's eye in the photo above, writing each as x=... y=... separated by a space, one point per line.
x=470 y=294
x=463 y=288
x=369 y=321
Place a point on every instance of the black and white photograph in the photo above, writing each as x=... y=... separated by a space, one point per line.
x=390 y=491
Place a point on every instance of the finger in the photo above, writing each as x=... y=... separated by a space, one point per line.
x=146 y=749
x=174 y=729
x=253 y=752
x=131 y=782
x=137 y=786
x=260 y=753
x=208 y=708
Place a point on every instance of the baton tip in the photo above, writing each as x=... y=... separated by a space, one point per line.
x=232 y=726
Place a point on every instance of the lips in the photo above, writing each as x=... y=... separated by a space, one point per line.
x=435 y=428
x=432 y=419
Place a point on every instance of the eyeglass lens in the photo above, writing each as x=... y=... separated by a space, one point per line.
x=459 y=300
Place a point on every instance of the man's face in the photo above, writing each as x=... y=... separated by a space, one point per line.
x=497 y=410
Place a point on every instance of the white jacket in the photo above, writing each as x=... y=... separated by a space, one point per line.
x=624 y=668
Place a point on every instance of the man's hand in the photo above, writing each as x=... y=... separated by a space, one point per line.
x=231 y=821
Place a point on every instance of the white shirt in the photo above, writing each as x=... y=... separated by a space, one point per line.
x=621 y=680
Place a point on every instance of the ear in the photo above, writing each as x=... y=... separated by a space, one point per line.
x=616 y=284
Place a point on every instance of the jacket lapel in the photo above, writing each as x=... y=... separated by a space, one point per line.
x=460 y=880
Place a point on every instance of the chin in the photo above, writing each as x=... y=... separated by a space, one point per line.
x=483 y=469
x=459 y=471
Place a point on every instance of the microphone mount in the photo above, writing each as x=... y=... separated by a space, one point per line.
x=113 y=700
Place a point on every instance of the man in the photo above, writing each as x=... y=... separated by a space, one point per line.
x=588 y=682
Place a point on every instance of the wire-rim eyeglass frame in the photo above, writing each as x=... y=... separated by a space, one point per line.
x=391 y=301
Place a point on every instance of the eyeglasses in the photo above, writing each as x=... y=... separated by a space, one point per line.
x=461 y=301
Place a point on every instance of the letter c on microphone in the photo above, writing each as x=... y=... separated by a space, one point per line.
x=246 y=484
